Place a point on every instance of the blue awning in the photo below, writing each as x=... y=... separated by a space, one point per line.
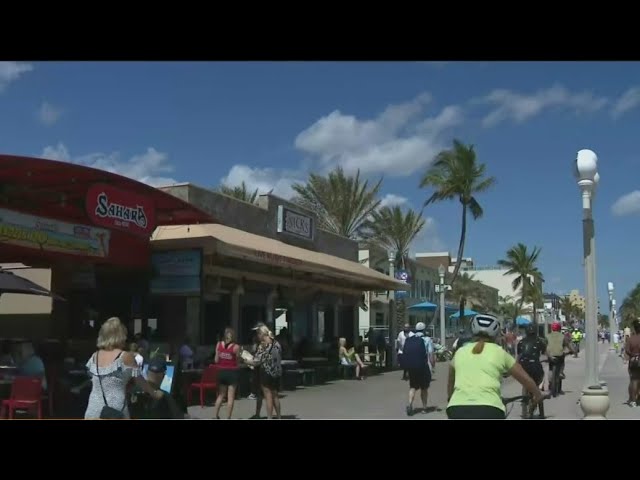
x=428 y=306
x=466 y=313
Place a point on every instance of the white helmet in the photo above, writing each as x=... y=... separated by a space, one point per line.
x=420 y=327
x=485 y=325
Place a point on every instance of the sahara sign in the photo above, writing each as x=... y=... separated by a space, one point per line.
x=41 y=233
x=113 y=208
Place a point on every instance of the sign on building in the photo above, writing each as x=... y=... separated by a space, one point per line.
x=176 y=272
x=295 y=223
x=402 y=276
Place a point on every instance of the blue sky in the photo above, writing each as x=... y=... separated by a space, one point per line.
x=269 y=124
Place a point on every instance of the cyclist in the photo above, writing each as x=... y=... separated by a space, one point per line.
x=557 y=345
x=476 y=371
x=576 y=338
x=529 y=350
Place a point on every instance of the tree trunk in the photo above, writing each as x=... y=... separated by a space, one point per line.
x=463 y=301
x=463 y=234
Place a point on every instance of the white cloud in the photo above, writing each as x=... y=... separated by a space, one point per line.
x=392 y=200
x=148 y=167
x=428 y=239
x=398 y=142
x=627 y=204
x=263 y=179
x=48 y=114
x=12 y=71
x=628 y=101
x=509 y=105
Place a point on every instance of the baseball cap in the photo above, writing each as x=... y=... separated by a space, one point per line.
x=158 y=365
x=420 y=326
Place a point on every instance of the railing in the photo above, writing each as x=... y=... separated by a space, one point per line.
x=480 y=268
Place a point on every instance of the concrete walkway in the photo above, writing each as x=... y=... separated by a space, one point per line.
x=385 y=396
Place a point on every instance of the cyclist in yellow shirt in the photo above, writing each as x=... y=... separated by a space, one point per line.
x=476 y=372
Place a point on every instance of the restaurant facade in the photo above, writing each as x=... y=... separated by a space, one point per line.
x=259 y=261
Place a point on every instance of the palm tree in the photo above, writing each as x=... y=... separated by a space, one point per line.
x=465 y=288
x=567 y=308
x=522 y=263
x=394 y=229
x=240 y=192
x=342 y=203
x=456 y=174
x=630 y=307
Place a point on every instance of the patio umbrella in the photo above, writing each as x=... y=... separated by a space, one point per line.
x=522 y=322
x=428 y=306
x=10 y=283
x=466 y=313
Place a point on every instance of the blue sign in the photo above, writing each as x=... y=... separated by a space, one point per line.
x=176 y=272
x=177 y=262
x=402 y=276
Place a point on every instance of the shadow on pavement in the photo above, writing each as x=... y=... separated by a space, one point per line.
x=283 y=417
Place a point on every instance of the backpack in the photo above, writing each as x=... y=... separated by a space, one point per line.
x=414 y=353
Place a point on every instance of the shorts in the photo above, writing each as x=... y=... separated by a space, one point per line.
x=268 y=381
x=534 y=370
x=419 y=378
x=556 y=360
x=475 y=412
x=228 y=377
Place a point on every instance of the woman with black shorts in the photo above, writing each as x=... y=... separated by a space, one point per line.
x=227 y=353
x=268 y=359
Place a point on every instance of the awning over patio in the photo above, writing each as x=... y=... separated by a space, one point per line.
x=231 y=242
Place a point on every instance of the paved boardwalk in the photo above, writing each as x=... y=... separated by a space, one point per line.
x=385 y=396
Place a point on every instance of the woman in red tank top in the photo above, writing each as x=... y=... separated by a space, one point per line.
x=227 y=353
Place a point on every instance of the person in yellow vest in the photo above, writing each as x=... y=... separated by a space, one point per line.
x=576 y=338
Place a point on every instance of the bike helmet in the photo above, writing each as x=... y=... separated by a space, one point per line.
x=485 y=325
x=556 y=327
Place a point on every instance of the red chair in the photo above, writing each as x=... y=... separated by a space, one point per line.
x=26 y=394
x=209 y=381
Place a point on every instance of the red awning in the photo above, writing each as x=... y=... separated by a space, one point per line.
x=76 y=196
x=59 y=189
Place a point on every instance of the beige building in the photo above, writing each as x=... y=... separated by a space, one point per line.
x=576 y=299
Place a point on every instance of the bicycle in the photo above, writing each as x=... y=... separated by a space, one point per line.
x=555 y=382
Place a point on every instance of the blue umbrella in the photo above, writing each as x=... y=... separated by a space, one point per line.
x=466 y=313
x=522 y=322
x=423 y=306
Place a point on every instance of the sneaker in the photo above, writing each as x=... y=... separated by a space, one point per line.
x=409 y=410
x=255 y=417
x=252 y=396
x=562 y=376
x=633 y=404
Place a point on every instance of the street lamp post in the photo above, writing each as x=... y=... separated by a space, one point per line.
x=595 y=397
x=442 y=289
x=612 y=314
x=392 y=312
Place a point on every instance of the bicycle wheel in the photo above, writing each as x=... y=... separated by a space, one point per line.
x=555 y=388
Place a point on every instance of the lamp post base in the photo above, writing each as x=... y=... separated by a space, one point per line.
x=595 y=403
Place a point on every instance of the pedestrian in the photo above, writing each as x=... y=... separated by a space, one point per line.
x=416 y=360
x=616 y=342
x=269 y=361
x=402 y=337
x=227 y=354
x=632 y=349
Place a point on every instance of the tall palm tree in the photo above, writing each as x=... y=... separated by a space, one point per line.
x=342 y=203
x=456 y=174
x=519 y=261
x=240 y=192
x=394 y=229
x=464 y=289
